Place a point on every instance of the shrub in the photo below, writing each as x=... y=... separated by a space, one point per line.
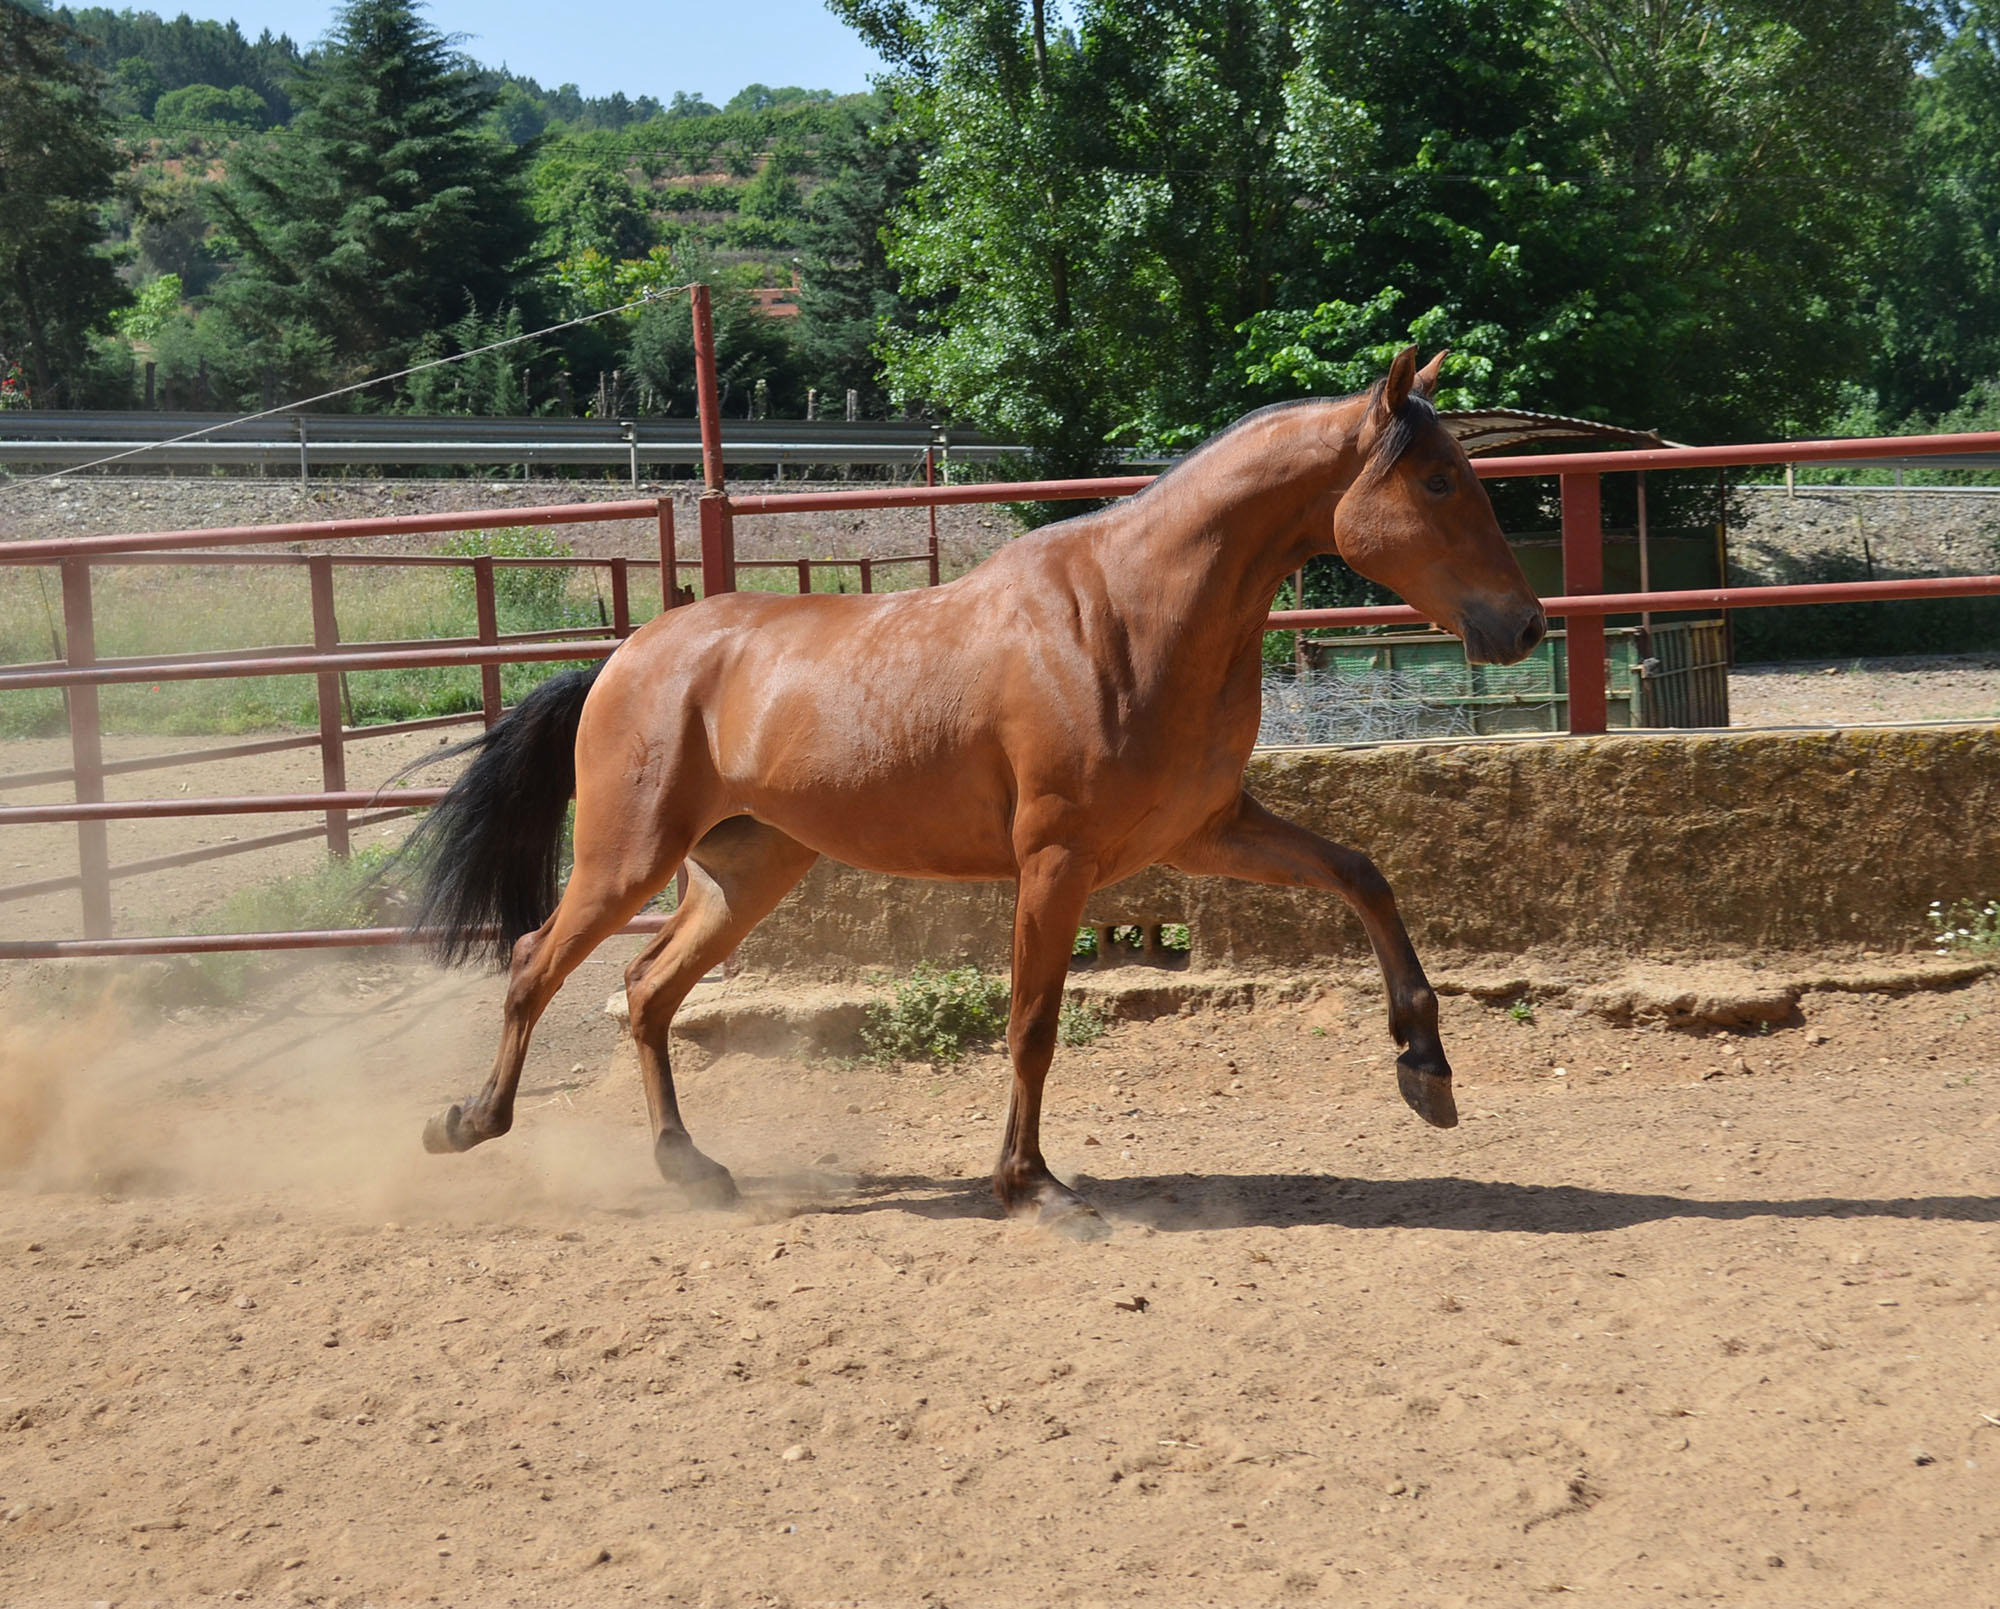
x=936 y=1015
x=1081 y=1021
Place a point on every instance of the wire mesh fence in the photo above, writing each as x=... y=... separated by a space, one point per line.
x=1368 y=706
x=1383 y=705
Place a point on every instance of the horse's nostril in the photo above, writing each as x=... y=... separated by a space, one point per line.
x=1533 y=632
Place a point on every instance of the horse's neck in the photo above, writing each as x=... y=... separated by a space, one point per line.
x=1220 y=534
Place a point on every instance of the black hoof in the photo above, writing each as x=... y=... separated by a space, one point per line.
x=446 y=1133
x=1427 y=1093
x=697 y=1180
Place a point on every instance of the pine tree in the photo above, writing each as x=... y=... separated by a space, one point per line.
x=57 y=162
x=385 y=211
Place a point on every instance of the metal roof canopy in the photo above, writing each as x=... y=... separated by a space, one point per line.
x=1492 y=430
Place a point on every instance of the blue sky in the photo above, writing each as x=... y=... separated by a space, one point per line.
x=643 y=47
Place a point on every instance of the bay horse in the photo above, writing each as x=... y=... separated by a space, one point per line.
x=1076 y=708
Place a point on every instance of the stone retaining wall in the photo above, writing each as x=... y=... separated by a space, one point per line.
x=1716 y=842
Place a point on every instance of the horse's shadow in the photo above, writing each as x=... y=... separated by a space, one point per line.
x=1178 y=1202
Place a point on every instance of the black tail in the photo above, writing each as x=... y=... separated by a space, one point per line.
x=489 y=852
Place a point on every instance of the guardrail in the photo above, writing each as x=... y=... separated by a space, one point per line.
x=305 y=442
x=81 y=673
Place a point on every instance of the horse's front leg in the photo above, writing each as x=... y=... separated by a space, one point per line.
x=1048 y=904
x=1252 y=844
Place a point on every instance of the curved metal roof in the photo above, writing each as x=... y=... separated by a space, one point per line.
x=1492 y=430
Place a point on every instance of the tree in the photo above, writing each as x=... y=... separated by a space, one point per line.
x=1001 y=239
x=57 y=162
x=198 y=105
x=147 y=54
x=386 y=210
x=1658 y=211
x=585 y=204
x=1939 y=304
x=848 y=290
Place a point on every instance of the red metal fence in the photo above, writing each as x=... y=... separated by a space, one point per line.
x=81 y=672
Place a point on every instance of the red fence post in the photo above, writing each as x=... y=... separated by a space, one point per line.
x=86 y=743
x=805 y=576
x=718 y=533
x=489 y=632
x=332 y=741
x=1583 y=572
x=621 y=598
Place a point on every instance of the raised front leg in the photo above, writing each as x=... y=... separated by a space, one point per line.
x=1252 y=844
x=1047 y=907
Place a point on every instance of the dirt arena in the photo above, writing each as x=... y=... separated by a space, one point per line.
x=1674 y=1316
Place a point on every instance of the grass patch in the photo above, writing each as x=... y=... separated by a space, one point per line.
x=158 y=609
x=356 y=892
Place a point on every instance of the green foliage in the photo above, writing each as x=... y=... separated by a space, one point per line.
x=1939 y=308
x=146 y=54
x=1966 y=926
x=1668 y=218
x=1081 y=1021
x=936 y=1015
x=151 y=308
x=525 y=597
x=584 y=205
x=848 y=290
x=490 y=383
x=1522 y=1010
x=57 y=163
x=203 y=105
x=383 y=212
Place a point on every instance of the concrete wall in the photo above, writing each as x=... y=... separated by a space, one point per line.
x=1711 y=842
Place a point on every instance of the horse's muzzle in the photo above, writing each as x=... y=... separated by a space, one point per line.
x=1499 y=638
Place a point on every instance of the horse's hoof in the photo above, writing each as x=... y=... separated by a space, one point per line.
x=445 y=1133
x=1077 y=1221
x=1427 y=1093
x=696 y=1179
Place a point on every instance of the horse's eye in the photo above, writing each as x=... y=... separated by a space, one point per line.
x=1438 y=485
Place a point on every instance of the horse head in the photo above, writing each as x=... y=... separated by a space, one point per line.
x=1417 y=520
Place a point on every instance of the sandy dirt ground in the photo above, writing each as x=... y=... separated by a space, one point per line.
x=1850 y=692
x=1672 y=1317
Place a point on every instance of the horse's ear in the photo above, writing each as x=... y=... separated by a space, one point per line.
x=1396 y=388
x=1426 y=383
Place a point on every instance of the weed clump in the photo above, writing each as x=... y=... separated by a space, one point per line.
x=1965 y=926
x=1081 y=1021
x=936 y=1015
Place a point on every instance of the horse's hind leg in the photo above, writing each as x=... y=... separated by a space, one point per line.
x=736 y=874
x=606 y=890
x=1252 y=844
